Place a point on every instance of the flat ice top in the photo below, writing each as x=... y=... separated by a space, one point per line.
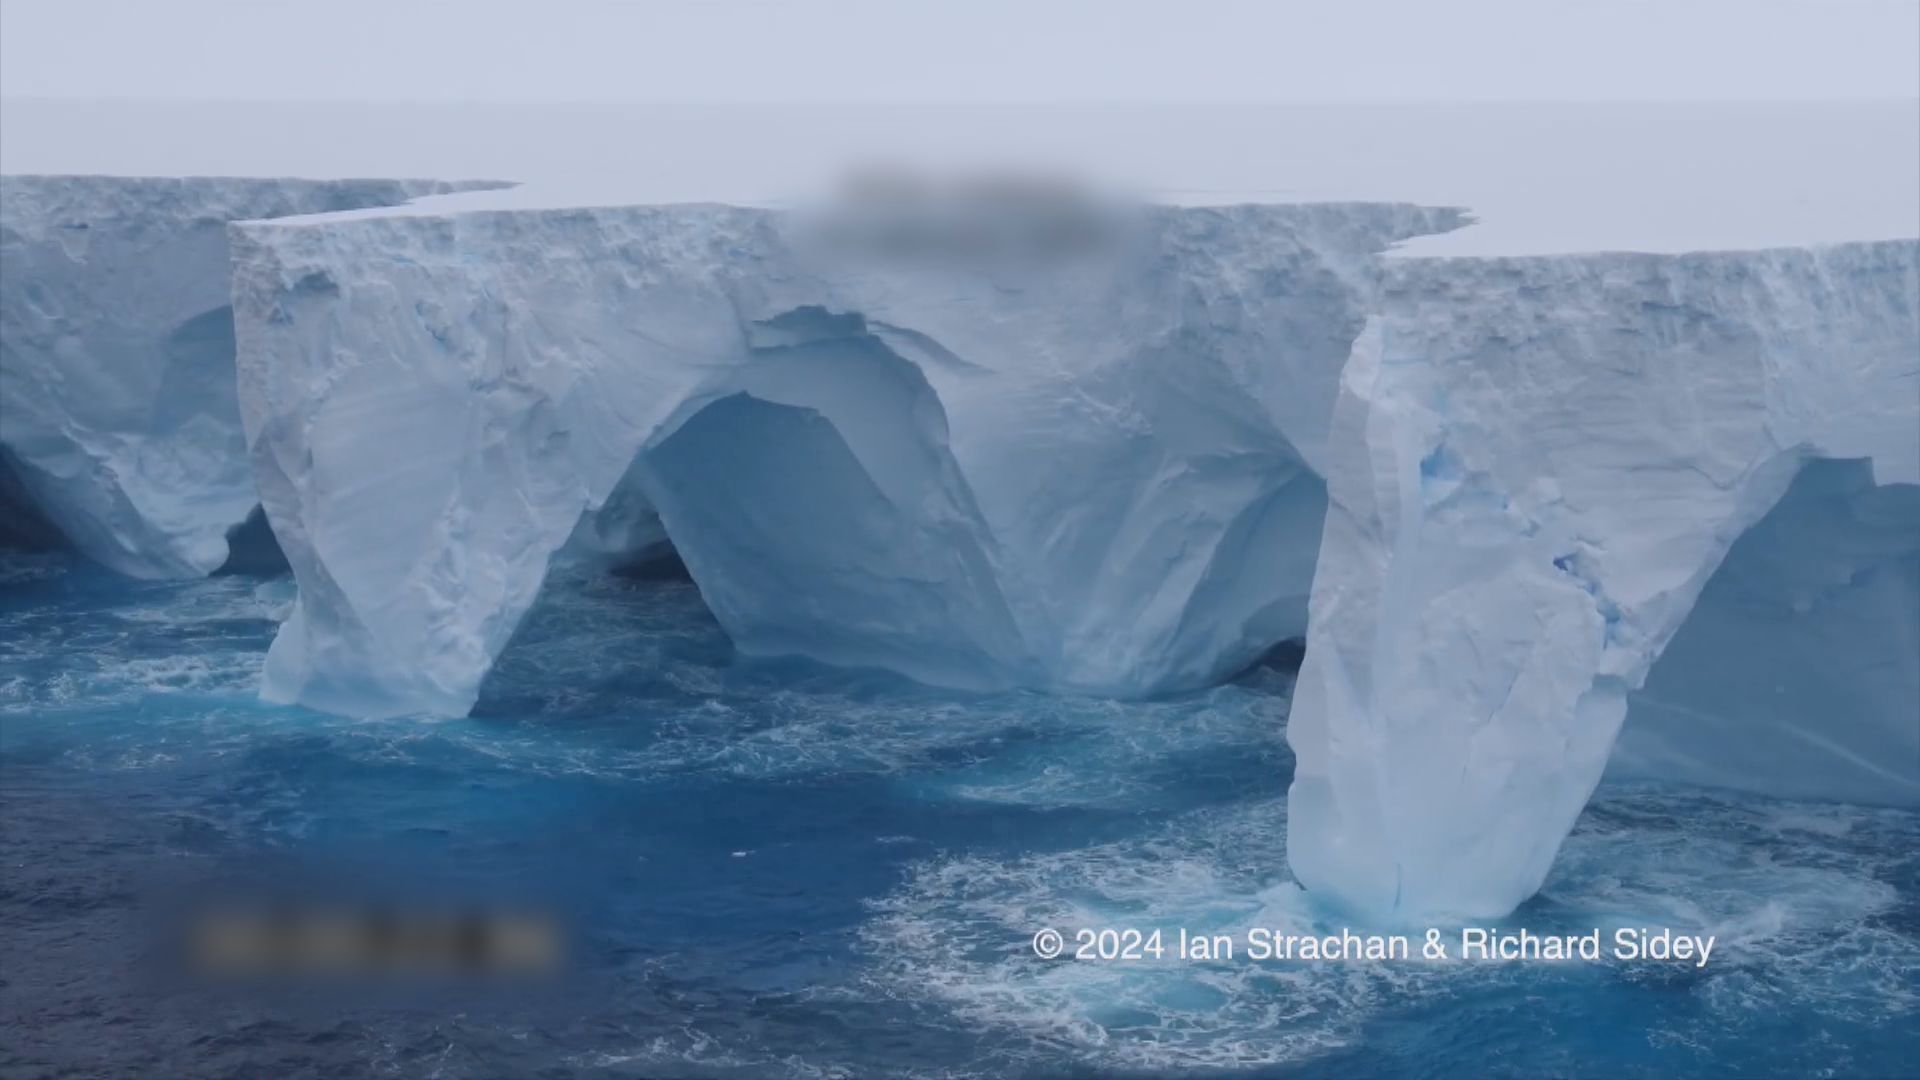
x=1540 y=178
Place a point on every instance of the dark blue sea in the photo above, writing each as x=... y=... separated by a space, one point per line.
x=778 y=869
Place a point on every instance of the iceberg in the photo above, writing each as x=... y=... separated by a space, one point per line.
x=1536 y=517
x=119 y=424
x=1003 y=443
x=1506 y=484
x=1537 y=467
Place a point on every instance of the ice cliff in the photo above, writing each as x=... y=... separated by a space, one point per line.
x=119 y=428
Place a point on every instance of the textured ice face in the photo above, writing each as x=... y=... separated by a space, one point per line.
x=1080 y=462
x=1536 y=465
x=117 y=408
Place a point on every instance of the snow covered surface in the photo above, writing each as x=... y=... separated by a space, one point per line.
x=117 y=409
x=1540 y=178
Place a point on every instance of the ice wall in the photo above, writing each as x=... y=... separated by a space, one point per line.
x=1535 y=467
x=117 y=408
x=985 y=448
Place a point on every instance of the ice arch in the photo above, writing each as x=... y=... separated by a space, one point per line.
x=1099 y=473
x=1526 y=501
x=816 y=503
x=1798 y=671
x=117 y=356
x=131 y=448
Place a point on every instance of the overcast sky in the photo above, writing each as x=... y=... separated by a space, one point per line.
x=966 y=51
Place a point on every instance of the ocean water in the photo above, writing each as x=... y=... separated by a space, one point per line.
x=778 y=869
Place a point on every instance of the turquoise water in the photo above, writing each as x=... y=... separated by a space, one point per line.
x=778 y=869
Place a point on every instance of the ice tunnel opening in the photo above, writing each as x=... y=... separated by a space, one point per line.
x=253 y=550
x=23 y=525
x=741 y=486
x=815 y=502
x=662 y=565
x=1797 y=674
x=811 y=499
x=153 y=481
x=1284 y=656
x=1248 y=609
